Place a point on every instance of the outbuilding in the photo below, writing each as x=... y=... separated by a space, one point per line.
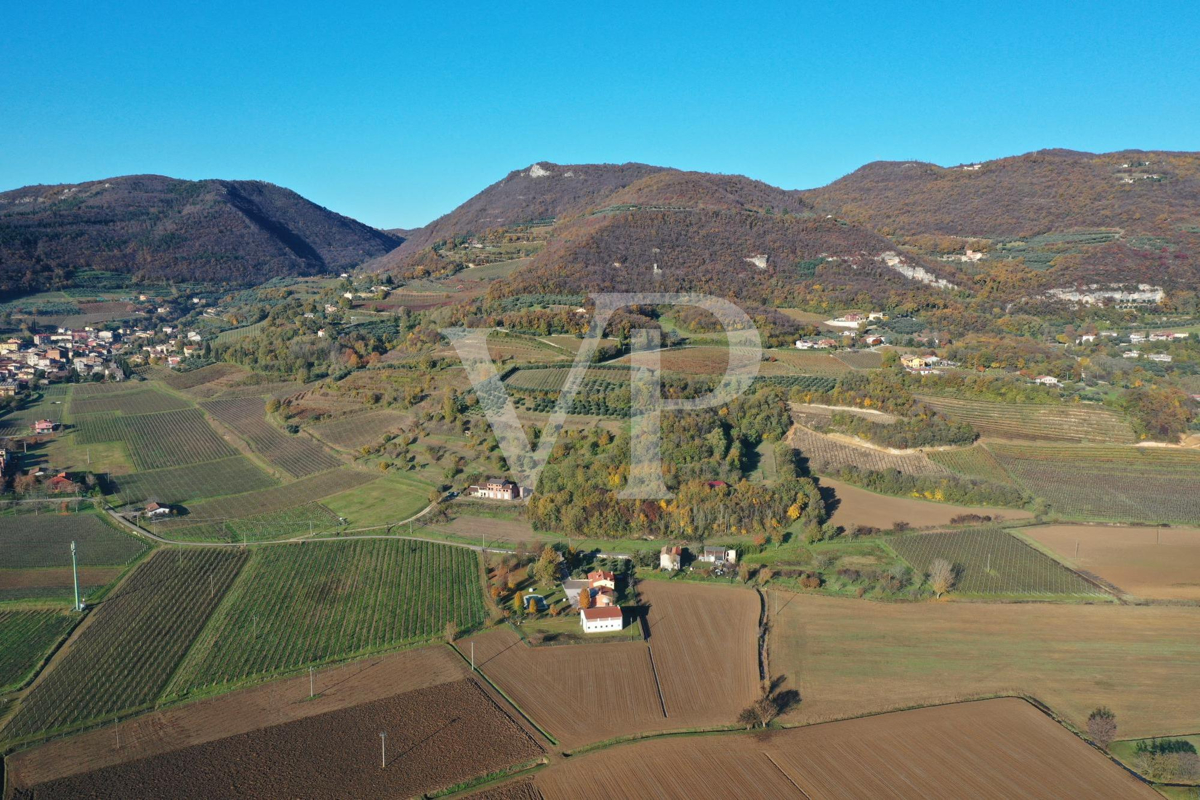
x=601 y=620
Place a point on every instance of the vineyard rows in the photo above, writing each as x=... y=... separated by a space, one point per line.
x=991 y=561
x=142 y=401
x=168 y=439
x=44 y=540
x=197 y=377
x=973 y=462
x=298 y=455
x=291 y=522
x=278 y=498
x=860 y=359
x=552 y=379
x=826 y=454
x=122 y=659
x=309 y=603
x=1130 y=484
x=1052 y=423
x=27 y=637
x=233 y=475
x=810 y=363
x=805 y=383
x=360 y=430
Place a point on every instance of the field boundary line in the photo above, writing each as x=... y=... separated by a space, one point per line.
x=503 y=694
x=786 y=777
x=657 y=685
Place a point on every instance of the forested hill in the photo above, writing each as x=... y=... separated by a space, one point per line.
x=160 y=228
x=1023 y=196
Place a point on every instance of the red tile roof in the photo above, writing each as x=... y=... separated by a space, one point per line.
x=610 y=612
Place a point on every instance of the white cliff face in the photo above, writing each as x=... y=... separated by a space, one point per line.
x=759 y=261
x=914 y=273
x=1095 y=293
x=538 y=171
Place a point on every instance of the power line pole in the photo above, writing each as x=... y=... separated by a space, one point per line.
x=75 y=574
x=472 y=656
x=383 y=749
x=311 y=693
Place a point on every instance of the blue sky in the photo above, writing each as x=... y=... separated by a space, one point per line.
x=395 y=113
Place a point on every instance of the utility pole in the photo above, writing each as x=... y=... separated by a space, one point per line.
x=212 y=591
x=311 y=693
x=1077 y=548
x=472 y=656
x=383 y=749
x=75 y=573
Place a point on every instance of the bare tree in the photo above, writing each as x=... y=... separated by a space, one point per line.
x=941 y=576
x=1102 y=726
x=451 y=632
x=773 y=702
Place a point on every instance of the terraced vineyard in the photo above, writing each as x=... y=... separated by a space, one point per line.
x=860 y=359
x=197 y=377
x=297 y=455
x=139 y=401
x=826 y=454
x=1051 y=423
x=1127 y=484
x=29 y=541
x=121 y=660
x=359 y=430
x=156 y=441
x=973 y=462
x=993 y=562
x=551 y=379
x=811 y=363
x=275 y=499
x=309 y=603
x=27 y=637
x=233 y=475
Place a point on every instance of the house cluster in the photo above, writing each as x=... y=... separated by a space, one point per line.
x=670 y=557
x=854 y=319
x=596 y=598
x=498 y=489
x=1156 y=336
x=54 y=356
x=924 y=365
x=174 y=351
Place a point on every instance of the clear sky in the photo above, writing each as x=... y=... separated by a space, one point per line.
x=395 y=113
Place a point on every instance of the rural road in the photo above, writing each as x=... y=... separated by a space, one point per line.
x=477 y=548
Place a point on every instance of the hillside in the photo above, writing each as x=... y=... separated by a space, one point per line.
x=542 y=191
x=160 y=228
x=1022 y=196
x=689 y=231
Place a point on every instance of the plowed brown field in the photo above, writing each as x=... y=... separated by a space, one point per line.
x=704 y=640
x=578 y=693
x=240 y=712
x=992 y=749
x=850 y=657
x=436 y=737
x=1149 y=563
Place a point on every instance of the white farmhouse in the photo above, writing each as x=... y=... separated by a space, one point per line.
x=601 y=620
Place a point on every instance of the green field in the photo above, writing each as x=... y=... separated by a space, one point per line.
x=19 y=422
x=232 y=475
x=993 y=562
x=29 y=541
x=167 y=439
x=1127 y=484
x=27 y=637
x=122 y=659
x=298 y=455
x=315 y=602
x=386 y=501
x=1052 y=423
